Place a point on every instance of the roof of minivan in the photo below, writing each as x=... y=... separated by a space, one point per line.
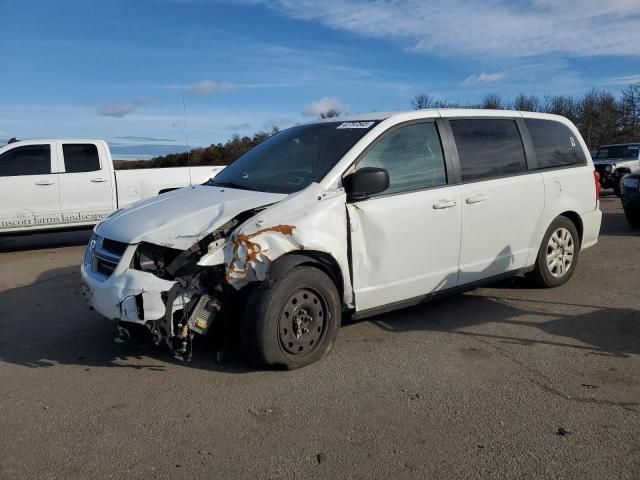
x=439 y=112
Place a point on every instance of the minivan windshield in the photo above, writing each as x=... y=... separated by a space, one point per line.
x=618 y=151
x=292 y=159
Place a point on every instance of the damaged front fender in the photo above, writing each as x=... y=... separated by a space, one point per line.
x=307 y=220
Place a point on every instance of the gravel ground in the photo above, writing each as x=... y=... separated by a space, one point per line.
x=478 y=385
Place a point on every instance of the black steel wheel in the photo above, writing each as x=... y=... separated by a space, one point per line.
x=302 y=321
x=294 y=321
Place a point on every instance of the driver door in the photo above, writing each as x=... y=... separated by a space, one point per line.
x=30 y=189
x=405 y=242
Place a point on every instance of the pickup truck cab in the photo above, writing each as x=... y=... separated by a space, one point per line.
x=350 y=216
x=614 y=162
x=64 y=184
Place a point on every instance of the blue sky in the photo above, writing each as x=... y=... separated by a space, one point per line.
x=120 y=69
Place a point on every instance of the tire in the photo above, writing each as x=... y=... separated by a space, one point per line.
x=277 y=321
x=618 y=187
x=557 y=258
x=633 y=217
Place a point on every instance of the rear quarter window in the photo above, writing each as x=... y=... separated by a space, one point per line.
x=555 y=144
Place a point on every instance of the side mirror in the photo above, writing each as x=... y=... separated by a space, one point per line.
x=365 y=182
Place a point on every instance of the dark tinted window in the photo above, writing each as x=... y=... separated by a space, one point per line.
x=412 y=155
x=554 y=143
x=80 y=158
x=488 y=148
x=28 y=160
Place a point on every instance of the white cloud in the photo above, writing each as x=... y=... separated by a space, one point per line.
x=121 y=109
x=207 y=87
x=486 y=28
x=314 y=109
x=483 y=78
x=625 y=80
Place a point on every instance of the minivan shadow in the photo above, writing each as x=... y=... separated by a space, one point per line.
x=48 y=323
x=601 y=331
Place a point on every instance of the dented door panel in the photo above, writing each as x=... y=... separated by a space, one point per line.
x=404 y=246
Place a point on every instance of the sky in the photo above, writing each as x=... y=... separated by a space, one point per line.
x=151 y=76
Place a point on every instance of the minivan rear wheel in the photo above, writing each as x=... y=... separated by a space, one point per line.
x=292 y=322
x=558 y=254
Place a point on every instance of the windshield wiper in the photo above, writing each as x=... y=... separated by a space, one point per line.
x=238 y=185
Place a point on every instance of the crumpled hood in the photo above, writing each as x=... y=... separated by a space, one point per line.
x=180 y=218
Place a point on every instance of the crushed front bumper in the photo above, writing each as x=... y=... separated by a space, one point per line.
x=126 y=294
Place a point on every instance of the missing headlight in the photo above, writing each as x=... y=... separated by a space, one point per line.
x=154 y=259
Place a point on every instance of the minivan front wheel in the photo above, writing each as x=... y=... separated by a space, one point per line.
x=294 y=321
x=558 y=254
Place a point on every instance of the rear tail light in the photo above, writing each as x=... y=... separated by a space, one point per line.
x=596 y=178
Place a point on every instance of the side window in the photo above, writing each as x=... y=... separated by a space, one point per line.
x=80 y=158
x=27 y=160
x=554 y=143
x=488 y=148
x=412 y=155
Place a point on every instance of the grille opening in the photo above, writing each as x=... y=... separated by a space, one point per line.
x=102 y=266
x=114 y=247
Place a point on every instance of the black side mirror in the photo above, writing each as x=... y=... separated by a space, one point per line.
x=365 y=182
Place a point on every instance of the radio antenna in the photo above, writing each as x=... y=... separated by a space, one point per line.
x=186 y=138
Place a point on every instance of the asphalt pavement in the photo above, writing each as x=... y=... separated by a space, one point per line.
x=506 y=382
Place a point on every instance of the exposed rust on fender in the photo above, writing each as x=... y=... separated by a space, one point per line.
x=253 y=249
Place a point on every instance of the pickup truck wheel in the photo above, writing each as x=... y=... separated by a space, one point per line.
x=292 y=322
x=558 y=254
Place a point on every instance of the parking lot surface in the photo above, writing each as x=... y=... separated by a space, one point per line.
x=502 y=382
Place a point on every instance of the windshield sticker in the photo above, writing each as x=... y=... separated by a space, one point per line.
x=355 y=124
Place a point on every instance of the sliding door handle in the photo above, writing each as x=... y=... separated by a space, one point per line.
x=476 y=199
x=44 y=182
x=442 y=204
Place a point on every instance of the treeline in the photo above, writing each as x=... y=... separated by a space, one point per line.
x=215 y=154
x=601 y=118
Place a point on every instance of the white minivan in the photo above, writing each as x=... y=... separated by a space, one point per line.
x=351 y=216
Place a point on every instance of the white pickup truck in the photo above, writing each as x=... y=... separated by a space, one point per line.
x=67 y=184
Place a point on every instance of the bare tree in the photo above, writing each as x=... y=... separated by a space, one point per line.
x=526 y=103
x=562 y=105
x=598 y=118
x=493 y=101
x=422 y=101
x=331 y=113
x=630 y=112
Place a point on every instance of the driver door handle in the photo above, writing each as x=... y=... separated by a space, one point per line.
x=99 y=180
x=442 y=204
x=44 y=182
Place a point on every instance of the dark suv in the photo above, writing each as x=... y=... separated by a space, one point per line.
x=631 y=198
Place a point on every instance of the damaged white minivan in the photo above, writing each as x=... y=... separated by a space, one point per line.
x=354 y=216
